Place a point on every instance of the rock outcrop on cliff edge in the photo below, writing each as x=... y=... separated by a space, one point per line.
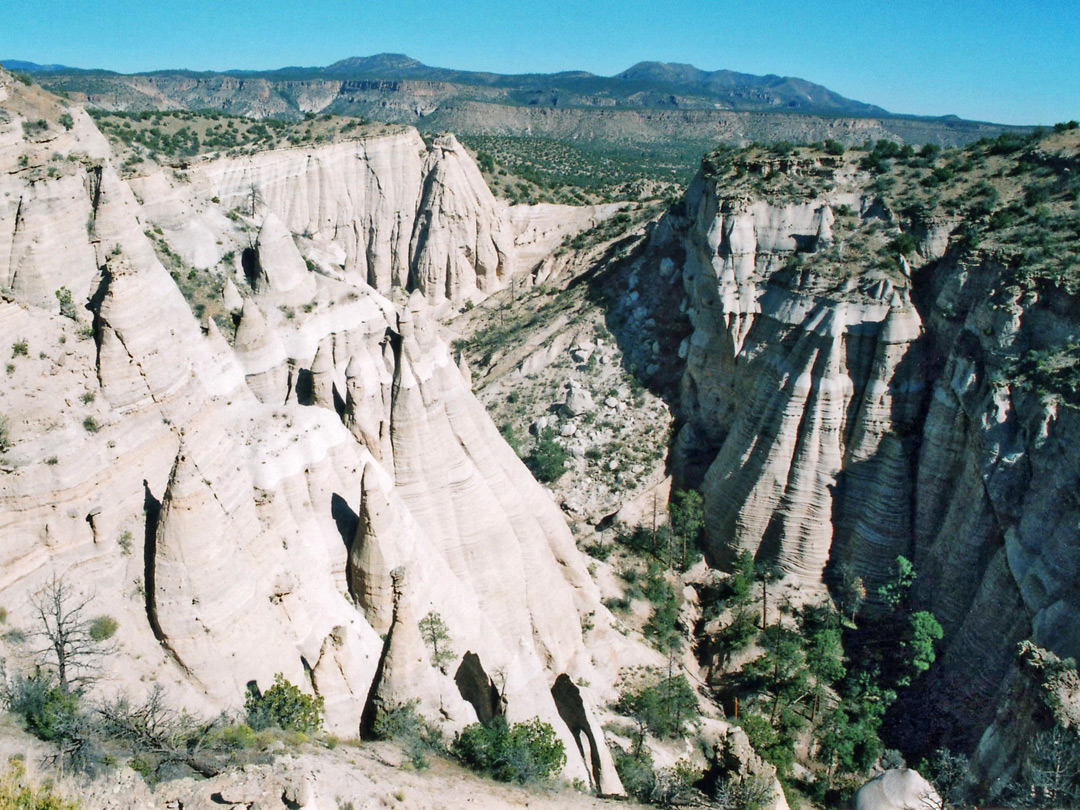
x=237 y=493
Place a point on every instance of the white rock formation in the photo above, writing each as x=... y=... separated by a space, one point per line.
x=462 y=245
x=897 y=789
x=229 y=504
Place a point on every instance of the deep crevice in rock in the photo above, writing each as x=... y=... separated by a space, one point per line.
x=152 y=509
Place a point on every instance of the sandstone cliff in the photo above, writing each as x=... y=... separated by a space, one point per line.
x=845 y=403
x=240 y=508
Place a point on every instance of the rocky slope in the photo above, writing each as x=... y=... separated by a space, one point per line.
x=293 y=495
x=545 y=361
x=855 y=388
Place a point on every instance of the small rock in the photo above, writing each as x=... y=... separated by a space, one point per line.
x=569 y=429
x=611 y=402
x=613 y=464
x=577 y=452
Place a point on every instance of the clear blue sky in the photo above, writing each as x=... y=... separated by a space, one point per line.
x=1009 y=61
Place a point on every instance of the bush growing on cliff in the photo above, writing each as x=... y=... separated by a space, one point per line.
x=49 y=712
x=524 y=752
x=283 y=705
x=67 y=304
x=437 y=638
x=417 y=736
x=661 y=706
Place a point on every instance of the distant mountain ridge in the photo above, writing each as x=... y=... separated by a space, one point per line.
x=697 y=89
x=675 y=109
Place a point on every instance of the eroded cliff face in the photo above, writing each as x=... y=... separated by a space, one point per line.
x=384 y=211
x=790 y=386
x=841 y=411
x=276 y=503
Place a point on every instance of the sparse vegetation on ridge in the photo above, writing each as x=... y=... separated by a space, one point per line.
x=174 y=137
x=17 y=794
x=1011 y=202
x=534 y=170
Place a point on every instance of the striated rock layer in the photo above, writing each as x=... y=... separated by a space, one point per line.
x=835 y=421
x=791 y=394
x=388 y=211
x=245 y=509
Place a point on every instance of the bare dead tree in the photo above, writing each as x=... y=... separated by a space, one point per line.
x=154 y=727
x=69 y=642
x=255 y=197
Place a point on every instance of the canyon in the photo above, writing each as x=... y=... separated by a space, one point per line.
x=288 y=476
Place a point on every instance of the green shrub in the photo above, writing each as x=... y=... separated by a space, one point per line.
x=67 y=303
x=636 y=772
x=238 y=737
x=91 y=425
x=437 y=637
x=20 y=348
x=283 y=705
x=49 y=712
x=547 y=460
x=775 y=743
x=524 y=752
x=600 y=551
x=662 y=706
x=417 y=735
x=511 y=438
x=103 y=628
x=5 y=434
x=905 y=244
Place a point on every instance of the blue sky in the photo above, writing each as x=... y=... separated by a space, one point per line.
x=1009 y=61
